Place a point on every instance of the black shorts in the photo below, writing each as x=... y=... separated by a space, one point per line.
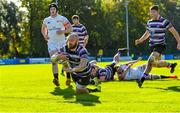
x=160 y=48
x=85 y=80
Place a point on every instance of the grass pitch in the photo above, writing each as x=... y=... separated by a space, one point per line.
x=29 y=88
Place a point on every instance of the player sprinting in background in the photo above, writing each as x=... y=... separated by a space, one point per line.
x=77 y=57
x=53 y=29
x=156 y=28
x=80 y=30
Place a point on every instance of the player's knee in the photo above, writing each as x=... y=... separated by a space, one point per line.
x=54 y=63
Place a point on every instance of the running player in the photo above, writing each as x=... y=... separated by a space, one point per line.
x=53 y=29
x=156 y=28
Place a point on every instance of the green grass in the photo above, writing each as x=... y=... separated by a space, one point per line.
x=29 y=88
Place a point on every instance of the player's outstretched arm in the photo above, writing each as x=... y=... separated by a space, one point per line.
x=176 y=36
x=81 y=66
x=125 y=71
x=116 y=58
x=44 y=32
x=143 y=38
x=135 y=61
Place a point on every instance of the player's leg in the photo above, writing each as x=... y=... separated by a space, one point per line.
x=82 y=82
x=148 y=68
x=156 y=52
x=96 y=82
x=116 y=58
x=68 y=79
x=151 y=60
x=154 y=76
x=119 y=52
x=55 y=69
x=68 y=75
x=80 y=88
x=122 y=50
x=62 y=72
x=55 y=58
x=162 y=63
x=170 y=76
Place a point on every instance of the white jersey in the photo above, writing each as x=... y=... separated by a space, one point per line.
x=53 y=24
x=133 y=73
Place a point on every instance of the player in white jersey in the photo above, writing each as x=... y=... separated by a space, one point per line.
x=126 y=72
x=54 y=29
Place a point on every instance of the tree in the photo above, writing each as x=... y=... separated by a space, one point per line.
x=10 y=19
x=36 y=12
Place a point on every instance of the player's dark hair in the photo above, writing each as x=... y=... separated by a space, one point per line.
x=53 y=5
x=155 y=7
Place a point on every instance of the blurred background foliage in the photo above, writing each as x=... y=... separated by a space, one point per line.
x=20 y=25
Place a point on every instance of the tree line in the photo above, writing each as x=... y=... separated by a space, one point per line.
x=20 y=25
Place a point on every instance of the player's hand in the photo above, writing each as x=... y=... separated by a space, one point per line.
x=63 y=57
x=59 y=32
x=178 y=46
x=46 y=37
x=69 y=70
x=137 y=42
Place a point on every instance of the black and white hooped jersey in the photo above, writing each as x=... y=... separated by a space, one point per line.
x=81 y=31
x=157 y=30
x=75 y=58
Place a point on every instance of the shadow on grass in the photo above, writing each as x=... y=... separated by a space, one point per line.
x=87 y=99
x=69 y=93
x=172 y=88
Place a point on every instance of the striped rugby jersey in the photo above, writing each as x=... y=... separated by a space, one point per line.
x=75 y=57
x=107 y=72
x=81 y=31
x=157 y=30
